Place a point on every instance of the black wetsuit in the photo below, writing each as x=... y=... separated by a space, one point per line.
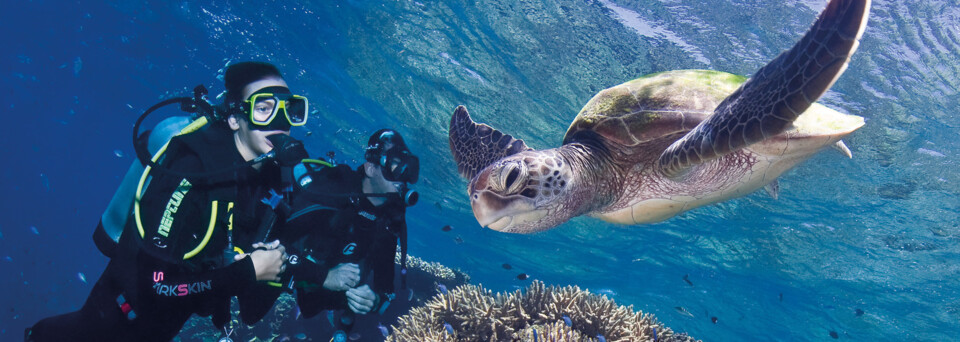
x=330 y=224
x=184 y=263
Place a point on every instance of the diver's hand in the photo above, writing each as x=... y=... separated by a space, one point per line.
x=269 y=260
x=361 y=299
x=342 y=277
x=268 y=245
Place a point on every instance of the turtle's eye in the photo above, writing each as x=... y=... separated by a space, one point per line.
x=510 y=175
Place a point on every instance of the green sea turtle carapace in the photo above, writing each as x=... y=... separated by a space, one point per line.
x=649 y=149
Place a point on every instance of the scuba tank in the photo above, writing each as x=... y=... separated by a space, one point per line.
x=107 y=234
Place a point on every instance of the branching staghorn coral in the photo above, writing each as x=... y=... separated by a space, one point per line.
x=472 y=313
x=437 y=269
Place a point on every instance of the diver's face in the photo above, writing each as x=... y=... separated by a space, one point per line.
x=381 y=184
x=374 y=183
x=251 y=142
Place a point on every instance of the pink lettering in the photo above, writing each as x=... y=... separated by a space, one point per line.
x=183 y=288
x=157 y=277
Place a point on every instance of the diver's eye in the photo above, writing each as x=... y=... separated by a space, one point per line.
x=510 y=177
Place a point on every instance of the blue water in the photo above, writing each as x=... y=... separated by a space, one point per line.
x=877 y=232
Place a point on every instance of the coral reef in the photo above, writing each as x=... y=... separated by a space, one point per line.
x=472 y=313
x=436 y=269
x=283 y=324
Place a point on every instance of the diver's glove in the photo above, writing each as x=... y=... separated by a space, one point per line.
x=361 y=299
x=342 y=277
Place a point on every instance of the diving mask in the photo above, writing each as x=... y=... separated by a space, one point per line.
x=399 y=165
x=265 y=105
x=386 y=148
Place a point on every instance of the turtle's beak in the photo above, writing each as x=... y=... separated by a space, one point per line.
x=512 y=214
x=490 y=208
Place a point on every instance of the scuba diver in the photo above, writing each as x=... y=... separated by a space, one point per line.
x=192 y=241
x=345 y=225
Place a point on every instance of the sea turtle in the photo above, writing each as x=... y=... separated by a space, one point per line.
x=651 y=148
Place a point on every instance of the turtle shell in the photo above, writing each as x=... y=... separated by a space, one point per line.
x=652 y=107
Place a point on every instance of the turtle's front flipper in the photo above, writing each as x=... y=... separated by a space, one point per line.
x=769 y=101
x=474 y=146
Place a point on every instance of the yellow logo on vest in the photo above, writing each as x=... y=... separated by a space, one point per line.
x=167 y=221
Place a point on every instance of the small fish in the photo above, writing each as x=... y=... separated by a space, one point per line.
x=567 y=321
x=442 y=288
x=309 y=133
x=655 y=338
x=330 y=318
x=682 y=311
x=446 y=228
x=607 y=292
x=437 y=204
x=523 y=276
x=82 y=277
x=410 y=294
x=298 y=313
x=448 y=327
x=507 y=266
x=301 y=336
x=859 y=312
x=834 y=334
x=8 y=258
x=713 y=319
x=781 y=296
x=686 y=278
x=600 y=338
x=383 y=330
x=118 y=153
x=77 y=65
x=46 y=181
x=34 y=230
x=129 y=106
x=354 y=336
x=458 y=240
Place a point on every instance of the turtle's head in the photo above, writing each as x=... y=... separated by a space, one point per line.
x=523 y=193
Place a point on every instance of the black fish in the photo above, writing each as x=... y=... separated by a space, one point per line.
x=507 y=266
x=458 y=240
x=437 y=204
x=781 y=296
x=834 y=334
x=686 y=278
x=713 y=319
x=859 y=312
x=446 y=228
x=523 y=276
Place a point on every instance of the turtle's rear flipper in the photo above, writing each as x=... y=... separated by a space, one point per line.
x=769 y=101
x=474 y=146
